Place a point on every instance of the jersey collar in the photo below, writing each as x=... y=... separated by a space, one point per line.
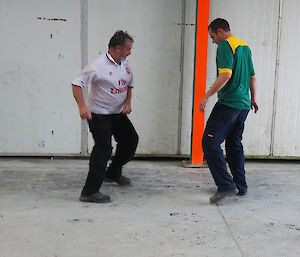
x=109 y=57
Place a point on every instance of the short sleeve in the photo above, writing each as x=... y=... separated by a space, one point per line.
x=224 y=58
x=131 y=82
x=252 y=72
x=83 y=79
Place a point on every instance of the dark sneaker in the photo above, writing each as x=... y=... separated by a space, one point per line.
x=95 y=198
x=221 y=196
x=241 y=193
x=122 y=181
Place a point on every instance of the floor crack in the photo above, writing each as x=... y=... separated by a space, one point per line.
x=232 y=235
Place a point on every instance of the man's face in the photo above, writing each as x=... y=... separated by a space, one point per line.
x=216 y=37
x=125 y=50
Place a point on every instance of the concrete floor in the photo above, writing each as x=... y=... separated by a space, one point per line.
x=165 y=213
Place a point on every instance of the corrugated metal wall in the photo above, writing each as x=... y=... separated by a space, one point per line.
x=155 y=59
x=286 y=140
x=268 y=26
x=255 y=22
x=45 y=44
x=39 y=56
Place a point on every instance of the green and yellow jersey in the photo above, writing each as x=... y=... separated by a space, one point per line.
x=235 y=57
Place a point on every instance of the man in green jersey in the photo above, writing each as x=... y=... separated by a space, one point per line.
x=236 y=77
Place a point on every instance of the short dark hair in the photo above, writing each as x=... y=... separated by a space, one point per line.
x=119 y=39
x=219 y=24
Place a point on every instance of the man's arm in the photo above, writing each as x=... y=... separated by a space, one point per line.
x=127 y=104
x=253 y=94
x=84 y=112
x=220 y=82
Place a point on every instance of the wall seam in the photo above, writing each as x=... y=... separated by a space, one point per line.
x=276 y=79
x=179 y=140
x=84 y=57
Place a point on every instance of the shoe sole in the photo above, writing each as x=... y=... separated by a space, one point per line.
x=124 y=185
x=84 y=199
x=112 y=181
x=223 y=198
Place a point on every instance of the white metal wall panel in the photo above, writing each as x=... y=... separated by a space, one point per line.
x=155 y=61
x=40 y=53
x=287 y=122
x=255 y=22
x=188 y=76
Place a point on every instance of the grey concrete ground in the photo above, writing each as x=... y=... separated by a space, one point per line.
x=165 y=213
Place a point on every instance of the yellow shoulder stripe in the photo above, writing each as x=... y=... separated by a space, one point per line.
x=234 y=42
x=225 y=70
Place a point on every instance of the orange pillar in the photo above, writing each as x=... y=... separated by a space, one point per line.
x=199 y=78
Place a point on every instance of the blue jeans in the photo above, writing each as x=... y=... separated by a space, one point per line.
x=225 y=124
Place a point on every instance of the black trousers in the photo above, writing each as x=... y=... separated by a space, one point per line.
x=103 y=127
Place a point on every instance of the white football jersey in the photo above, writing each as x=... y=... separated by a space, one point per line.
x=108 y=82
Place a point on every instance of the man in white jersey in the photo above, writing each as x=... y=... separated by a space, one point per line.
x=108 y=103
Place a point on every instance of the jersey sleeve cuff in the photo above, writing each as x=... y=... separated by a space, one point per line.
x=224 y=70
x=79 y=83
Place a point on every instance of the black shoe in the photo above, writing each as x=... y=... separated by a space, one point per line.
x=241 y=193
x=221 y=196
x=122 y=181
x=95 y=198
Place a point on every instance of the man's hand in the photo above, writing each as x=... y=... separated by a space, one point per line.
x=85 y=113
x=126 y=108
x=203 y=103
x=254 y=106
x=253 y=94
x=220 y=82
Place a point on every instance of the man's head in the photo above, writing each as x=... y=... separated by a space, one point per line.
x=219 y=30
x=120 y=45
